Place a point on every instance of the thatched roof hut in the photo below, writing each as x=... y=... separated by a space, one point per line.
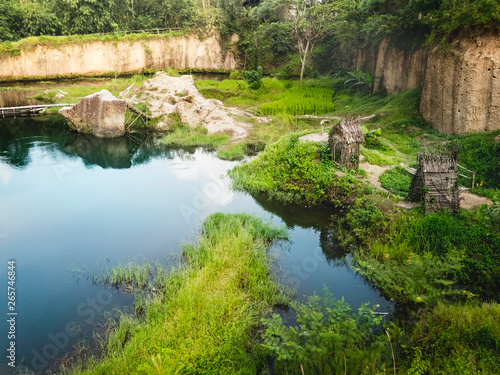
x=344 y=139
x=435 y=183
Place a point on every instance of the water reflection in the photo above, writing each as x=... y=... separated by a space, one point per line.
x=15 y=98
x=19 y=136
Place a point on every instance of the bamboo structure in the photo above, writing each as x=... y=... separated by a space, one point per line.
x=436 y=183
x=26 y=111
x=344 y=140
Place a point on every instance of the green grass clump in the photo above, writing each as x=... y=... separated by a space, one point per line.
x=127 y=276
x=300 y=101
x=183 y=135
x=202 y=321
x=235 y=151
x=293 y=171
x=397 y=180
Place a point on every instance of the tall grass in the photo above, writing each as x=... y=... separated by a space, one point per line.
x=202 y=322
x=300 y=101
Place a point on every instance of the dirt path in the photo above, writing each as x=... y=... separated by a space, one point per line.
x=469 y=200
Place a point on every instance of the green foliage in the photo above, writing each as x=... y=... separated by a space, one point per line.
x=289 y=170
x=493 y=194
x=328 y=339
x=254 y=78
x=397 y=180
x=235 y=151
x=127 y=277
x=457 y=339
x=371 y=136
x=442 y=249
x=366 y=219
x=361 y=79
x=481 y=153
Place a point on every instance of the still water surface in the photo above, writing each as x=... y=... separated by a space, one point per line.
x=73 y=205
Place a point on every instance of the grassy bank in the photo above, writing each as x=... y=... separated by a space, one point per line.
x=202 y=316
x=299 y=172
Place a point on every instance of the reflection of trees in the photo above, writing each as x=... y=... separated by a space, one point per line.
x=331 y=246
x=321 y=219
x=19 y=136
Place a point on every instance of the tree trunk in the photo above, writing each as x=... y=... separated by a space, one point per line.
x=304 y=59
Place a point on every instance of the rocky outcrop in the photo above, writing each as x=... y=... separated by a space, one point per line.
x=460 y=83
x=461 y=91
x=101 y=114
x=166 y=95
x=119 y=56
x=398 y=70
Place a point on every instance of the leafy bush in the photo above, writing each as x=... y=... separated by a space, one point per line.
x=254 y=78
x=480 y=153
x=397 y=180
x=291 y=171
x=457 y=339
x=329 y=339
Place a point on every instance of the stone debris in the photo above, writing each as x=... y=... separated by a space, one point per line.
x=166 y=95
x=101 y=114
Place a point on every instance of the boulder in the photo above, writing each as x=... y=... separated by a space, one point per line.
x=166 y=95
x=101 y=114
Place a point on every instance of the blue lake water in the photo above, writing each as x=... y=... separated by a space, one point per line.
x=72 y=206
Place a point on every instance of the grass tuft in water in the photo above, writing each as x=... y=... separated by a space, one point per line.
x=203 y=318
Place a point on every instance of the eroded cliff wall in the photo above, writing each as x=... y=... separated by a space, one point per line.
x=461 y=90
x=460 y=83
x=100 y=57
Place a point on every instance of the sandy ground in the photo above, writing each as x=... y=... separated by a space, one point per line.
x=467 y=200
x=315 y=137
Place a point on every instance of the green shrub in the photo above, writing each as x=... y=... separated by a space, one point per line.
x=292 y=171
x=457 y=339
x=254 y=78
x=480 y=153
x=397 y=180
x=329 y=338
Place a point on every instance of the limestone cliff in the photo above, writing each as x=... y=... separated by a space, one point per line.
x=127 y=56
x=461 y=91
x=460 y=83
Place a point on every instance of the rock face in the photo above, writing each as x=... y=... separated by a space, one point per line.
x=461 y=91
x=101 y=114
x=460 y=84
x=167 y=95
x=398 y=70
x=123 y=56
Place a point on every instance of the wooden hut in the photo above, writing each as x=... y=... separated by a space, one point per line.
x=435 y=183
x=344 y=139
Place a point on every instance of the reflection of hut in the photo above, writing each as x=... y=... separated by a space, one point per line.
x=436 y=183
x=345 y=138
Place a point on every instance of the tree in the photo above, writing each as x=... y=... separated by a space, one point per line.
x=11 y=21
x=310 y=19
